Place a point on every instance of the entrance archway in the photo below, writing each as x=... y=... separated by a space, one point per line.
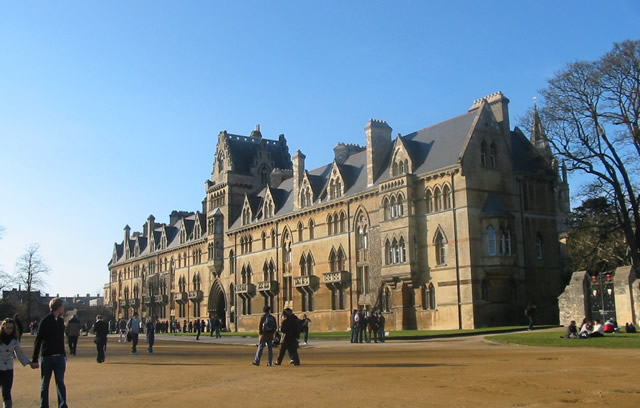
x=217 y=303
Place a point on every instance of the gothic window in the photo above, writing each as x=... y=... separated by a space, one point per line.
x=264 y=175
x=429 y=297
x=491 y=240
x=492 y=155
x=300 y=232
x=330 y=224
x=273 y=238
x=342 y=221
x=311 y=229
x=394 y=207
x=483 y=154
x=272 y=271
x=309 y=264
x=387 y=208
x=232 y=262
x=363 y=237
x=539 y=246
x=388 y=250
x=429 y=201
x=341 y=259
x=440 y=249
x=438 y=199
x=396 y=251
x=402 y=251
x=400 y=206
x=505 y=242
x=264 y=240
x=333 y=261
x=484 y=290
x=395 y=169
x=265 y=272
x=303 y=265
x=401 y=167
x=446 y=192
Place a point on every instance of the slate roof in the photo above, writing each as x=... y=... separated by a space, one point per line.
x=525 y=156
x=243 y=149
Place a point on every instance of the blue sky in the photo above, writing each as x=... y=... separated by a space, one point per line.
x=110 y=111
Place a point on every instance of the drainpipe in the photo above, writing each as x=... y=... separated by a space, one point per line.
x=455 y=237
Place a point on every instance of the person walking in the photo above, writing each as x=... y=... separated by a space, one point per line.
x=361 y=321
x=530 y=312
x=133 y=326
x=289 y=341
x=10 y=347
x=266 y=329
x=122 y=327
x=50 y=341
x=73 y=332
x=151 y=334
x=381 y=321
x=218 y=324
x=101 y=330
x=305 y=327
x=354 y=326
x=197 y=328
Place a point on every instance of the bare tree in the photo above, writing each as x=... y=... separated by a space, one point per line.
x=30 y=272
x=591 y=112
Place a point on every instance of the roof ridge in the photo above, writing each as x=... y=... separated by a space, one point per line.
x=443 y=122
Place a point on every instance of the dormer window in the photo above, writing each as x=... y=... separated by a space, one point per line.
x=305 y=197
x=246 y=216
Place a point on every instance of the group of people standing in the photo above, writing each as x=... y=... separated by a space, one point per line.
x=367 y=326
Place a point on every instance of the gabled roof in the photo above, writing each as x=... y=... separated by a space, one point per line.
x=526 y=157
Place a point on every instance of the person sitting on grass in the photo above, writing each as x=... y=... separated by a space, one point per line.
x=630 y=328
x=572 y=331
x=585 y=329
x=598 y=329
x=610 y=326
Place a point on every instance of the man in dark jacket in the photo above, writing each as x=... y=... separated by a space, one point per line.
x=73 y=332
x=101 y=329
x=50 y=340
x=289 y=342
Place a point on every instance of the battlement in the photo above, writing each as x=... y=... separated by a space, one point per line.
x=491 y=98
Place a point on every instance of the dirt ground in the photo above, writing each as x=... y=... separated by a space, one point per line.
x=466 y=372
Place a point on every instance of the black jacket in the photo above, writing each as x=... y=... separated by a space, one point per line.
x=50 y=337
x=101 y=330
x=290 y=328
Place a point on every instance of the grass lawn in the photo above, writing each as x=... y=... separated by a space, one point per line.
x=555 y=339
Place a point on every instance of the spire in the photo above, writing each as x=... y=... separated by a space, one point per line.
x=538 y=138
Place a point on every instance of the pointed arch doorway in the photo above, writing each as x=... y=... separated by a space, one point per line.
x=218 y=303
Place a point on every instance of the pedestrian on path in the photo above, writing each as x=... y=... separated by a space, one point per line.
x=10 y=348
x=73 y=332
x=266 y=329
x=151 y=334
x=289 y=342
x=133 y=327
x=305 y=327
x=101 y=330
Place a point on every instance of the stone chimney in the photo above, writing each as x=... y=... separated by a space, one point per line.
x=378 y=135
x=125 y=243
x=499 y=105
x=298 y=172
x=149 y=226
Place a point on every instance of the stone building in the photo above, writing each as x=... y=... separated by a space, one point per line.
x=458 y=225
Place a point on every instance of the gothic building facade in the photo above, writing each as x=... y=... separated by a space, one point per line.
x=458 y=225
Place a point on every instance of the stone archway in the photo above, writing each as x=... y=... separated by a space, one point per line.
x=218 y=303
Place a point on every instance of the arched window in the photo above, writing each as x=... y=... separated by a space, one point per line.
x=406 y=166
x=300 y=232
x=264 y=240
x=232 y=262
x=438 y=199
x=330 y=225
x=387 y=208
x=343 y=218
x=401 y=167
x=363 y=237
x=388 y=252
x=265 y=271
x=273 y=238
x=403 y=251
x=396 y=251
x=440 y=249
x=395 y=168
x=232 y=296
x=303 y=265
x=336 y=224
x=483 y=154
x=492 y=155
x=539 y=246
x=311 y=229
x=400 y=205
x=491 y=240
x=394 y=207
x=429 y=201
x=341 y=259
x=446 y=192
x=505 y=242
x=309 y=264
x=333 y=261
x=243 y=275
x=484 y=290
x=264 y=175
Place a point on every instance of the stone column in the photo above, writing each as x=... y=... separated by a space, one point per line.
x=626 y=288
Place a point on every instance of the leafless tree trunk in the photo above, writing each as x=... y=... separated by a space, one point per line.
x=30 y=272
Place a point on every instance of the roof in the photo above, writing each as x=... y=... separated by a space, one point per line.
x=243 y=150
x=526 y=157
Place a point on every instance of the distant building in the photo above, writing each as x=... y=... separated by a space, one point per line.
x=16 y=296
x=458 y=225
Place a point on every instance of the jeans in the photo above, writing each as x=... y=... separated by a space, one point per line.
x=269 y=344
x=6 y=381
x=381 y=335
x=134 y=342
x=218 y=335
x=354 y=334
x=305 y=330
x=73 y=344
x=101 y=345
x=55 y=365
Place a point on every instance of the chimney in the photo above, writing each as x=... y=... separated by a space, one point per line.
x=151 y=224
x=378 y=135
x=256 y=133
x=127 y=230
x=298 y=172
x=341 y=152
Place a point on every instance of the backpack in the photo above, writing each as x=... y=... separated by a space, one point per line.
x=269 y=324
